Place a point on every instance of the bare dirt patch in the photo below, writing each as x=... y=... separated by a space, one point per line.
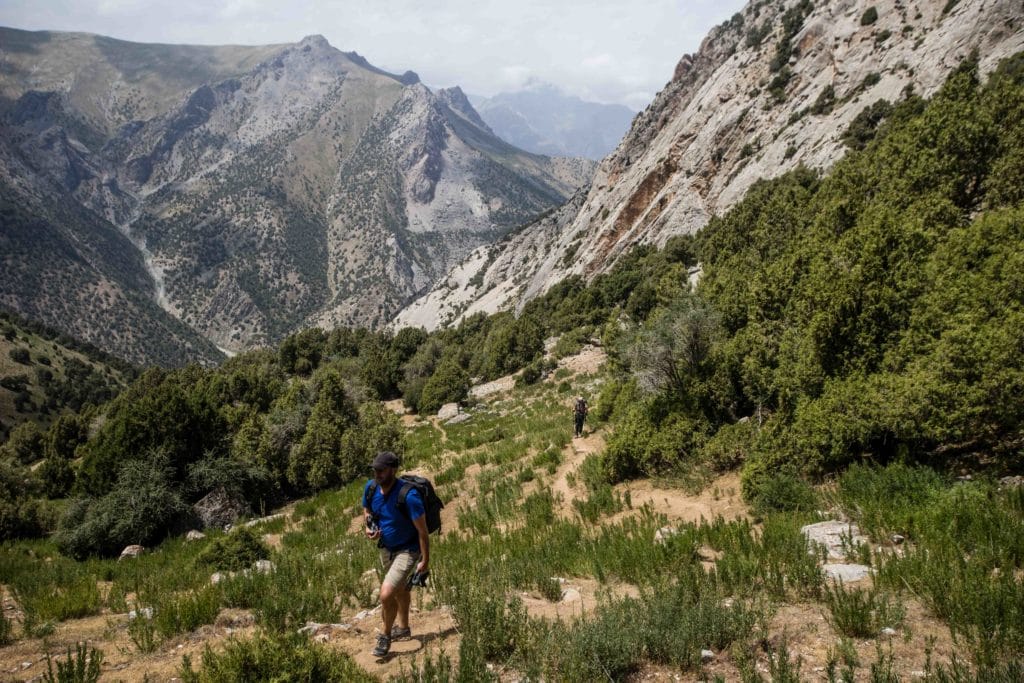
x=587 y=362
x=721 y=497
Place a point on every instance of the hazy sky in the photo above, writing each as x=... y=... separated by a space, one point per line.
x=603 y=50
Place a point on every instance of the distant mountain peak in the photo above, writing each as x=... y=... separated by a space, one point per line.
x=544 y=119
x=457 y=101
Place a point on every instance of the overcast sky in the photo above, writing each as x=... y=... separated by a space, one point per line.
x=601 y=50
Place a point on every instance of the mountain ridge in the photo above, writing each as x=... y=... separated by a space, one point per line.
x=753 y=102
x=239 y=195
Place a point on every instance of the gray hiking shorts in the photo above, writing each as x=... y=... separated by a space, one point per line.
x=398 y=565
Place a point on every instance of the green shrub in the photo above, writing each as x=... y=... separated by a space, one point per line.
x=783 y=493
x=448 y=384
x=6 y=630
x=862 y=612
x=273 y=658
x=80 y=666
x=20 y=355
x=237 y=550
x=141 y=508
x=869 y=17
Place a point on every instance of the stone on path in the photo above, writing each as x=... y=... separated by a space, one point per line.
x=195 y=535
x=847 y=573
x=831 y=534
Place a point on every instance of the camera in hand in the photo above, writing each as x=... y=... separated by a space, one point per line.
x=419 y=579
x=372 y=526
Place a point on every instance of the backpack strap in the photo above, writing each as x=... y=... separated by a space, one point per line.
x=403 y=493
x=369 y=492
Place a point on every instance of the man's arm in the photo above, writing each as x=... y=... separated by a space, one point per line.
x=421 y=530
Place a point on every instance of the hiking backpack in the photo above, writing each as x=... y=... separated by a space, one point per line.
x=431 y=503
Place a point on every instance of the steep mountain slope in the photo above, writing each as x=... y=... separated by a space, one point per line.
x=44 y=374
x=773 y=88
x=544 y=120
x=250 y=191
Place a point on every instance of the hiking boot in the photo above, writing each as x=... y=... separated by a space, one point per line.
x=399 y=632
x=383 y=645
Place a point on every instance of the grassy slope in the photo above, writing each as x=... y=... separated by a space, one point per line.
x=59 y=357
x=751 y=593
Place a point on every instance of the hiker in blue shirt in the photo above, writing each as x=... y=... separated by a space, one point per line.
x=403 y=541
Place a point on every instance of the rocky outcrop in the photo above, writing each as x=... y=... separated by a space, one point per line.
x=769 y=90
x=218 y=508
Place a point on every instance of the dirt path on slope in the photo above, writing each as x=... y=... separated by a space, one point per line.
x=573 y=456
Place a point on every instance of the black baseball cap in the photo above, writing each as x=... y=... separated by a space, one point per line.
x=385 y=459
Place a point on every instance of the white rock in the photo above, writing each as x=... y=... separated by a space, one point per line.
x=195 y=535
x=263 y=566
x=131 y=551
x=897 y=539
x=448 y=411
x=143 y=612
x=664 y=533
x=847 y=573
x=264 y=520
x=831 y=535
x=571 y=595
x=706 y=656
x=888 y=631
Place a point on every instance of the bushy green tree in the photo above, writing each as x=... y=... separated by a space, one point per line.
x=141 y=508
x=448 y=383
x=315 y=462
x=26 y=444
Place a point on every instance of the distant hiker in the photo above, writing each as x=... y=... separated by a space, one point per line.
x=579 y=413
x=400 y=529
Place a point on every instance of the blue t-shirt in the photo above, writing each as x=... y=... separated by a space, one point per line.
x=397 y=529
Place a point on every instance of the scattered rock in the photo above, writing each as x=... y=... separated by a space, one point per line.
x=458 y=419
x=847 y=573
x=195 y=535
x=571 y=595
x=706 y=656
x=263 y=566
x=664 y=533
x=448 y=411
x=218 y=508
x=217 y=577
x=143 y=612
x=1011 y=482
x=888 y=631
x=264 y=520
x=897 y=539
x=831 y=534
x=131 y=551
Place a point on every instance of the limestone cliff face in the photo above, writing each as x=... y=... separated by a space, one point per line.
x=260 y=190
x=773 y=88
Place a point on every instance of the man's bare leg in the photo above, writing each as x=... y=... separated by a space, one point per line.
x=402 y=595
x=389 y=602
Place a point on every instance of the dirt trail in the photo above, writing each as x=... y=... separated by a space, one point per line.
x=573 y=455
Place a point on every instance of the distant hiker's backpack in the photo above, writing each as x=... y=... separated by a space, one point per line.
x=431 y=503
x=580 y=408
